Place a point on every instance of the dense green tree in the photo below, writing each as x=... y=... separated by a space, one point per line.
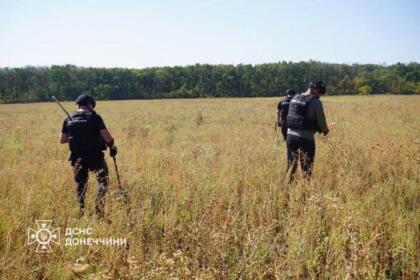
x=31 y=84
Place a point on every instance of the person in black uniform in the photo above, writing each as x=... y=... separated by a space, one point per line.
x=283 y=110
x=88 y=137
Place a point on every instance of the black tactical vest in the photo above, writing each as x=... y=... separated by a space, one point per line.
x=284 y=105
x=83 y=134
x=297 y=118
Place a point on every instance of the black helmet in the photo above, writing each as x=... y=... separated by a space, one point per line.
x=318 y=85
x=290 y=91
x=85 y=100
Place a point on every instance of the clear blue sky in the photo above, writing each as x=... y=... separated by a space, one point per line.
x=140 y=34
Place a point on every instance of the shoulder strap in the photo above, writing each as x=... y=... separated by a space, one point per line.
x=310 y=98
x=81 y=113
x=299 y=97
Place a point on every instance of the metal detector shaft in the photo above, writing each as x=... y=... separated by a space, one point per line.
x=124 y=193
x=118 y=174
x=59 y=104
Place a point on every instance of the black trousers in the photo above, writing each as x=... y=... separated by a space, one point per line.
x=81 y=167
x=300 y=150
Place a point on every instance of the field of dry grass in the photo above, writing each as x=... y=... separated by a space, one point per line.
x=206 y=195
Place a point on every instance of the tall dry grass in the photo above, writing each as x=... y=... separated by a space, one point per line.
x=207 y=199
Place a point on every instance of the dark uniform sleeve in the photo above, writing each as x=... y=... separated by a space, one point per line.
x=279 y=106
x=320 y=117
x=64 y=128
x=100 y=123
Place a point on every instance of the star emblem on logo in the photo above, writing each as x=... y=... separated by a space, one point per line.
x=44 y=235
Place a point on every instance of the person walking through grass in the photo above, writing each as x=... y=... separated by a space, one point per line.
x=305 y=118
x=87 y=136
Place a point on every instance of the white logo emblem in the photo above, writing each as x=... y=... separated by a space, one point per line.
x=43 y=236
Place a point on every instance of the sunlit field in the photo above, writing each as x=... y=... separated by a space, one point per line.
x=207 y=198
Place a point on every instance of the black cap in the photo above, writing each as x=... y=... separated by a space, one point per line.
x=290 y=91
x=85 y=100
x=318 y=85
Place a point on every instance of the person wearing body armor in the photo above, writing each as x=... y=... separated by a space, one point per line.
x=282 y=111
x=88 y=137
x=305 y=118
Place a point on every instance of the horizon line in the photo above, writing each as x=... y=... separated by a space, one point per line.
x=384 y=64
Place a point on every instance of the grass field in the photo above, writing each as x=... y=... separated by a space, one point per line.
x=207 y=200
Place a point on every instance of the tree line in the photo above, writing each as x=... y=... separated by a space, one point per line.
x=32 y=84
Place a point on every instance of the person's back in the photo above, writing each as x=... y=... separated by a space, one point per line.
x=315 y=113
x=84 y=133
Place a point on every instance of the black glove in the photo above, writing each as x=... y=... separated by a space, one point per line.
x=110 y=143
x=113 y=151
